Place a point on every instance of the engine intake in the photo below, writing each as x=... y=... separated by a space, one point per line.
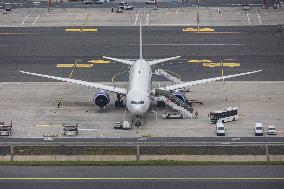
x=101 y=99
x=180 y=95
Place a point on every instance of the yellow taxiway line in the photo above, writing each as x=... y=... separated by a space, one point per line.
x=200 y=30
x=200 y=61
x=73 y=65
x=99 y=61
x=213 y=65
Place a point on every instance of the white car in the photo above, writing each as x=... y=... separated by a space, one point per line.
x=258 y=129
x=220 y=129
x=125 y=6
x=271 y=130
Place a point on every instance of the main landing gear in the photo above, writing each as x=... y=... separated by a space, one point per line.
x=119 y=101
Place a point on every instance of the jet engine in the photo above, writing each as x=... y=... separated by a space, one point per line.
x=101 y=99
x=180 y=95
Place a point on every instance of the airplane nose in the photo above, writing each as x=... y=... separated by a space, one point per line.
x=138 y=110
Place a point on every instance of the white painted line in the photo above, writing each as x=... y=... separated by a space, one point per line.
x=136 y=19
x=147 y=19
x=36 y=19
x=248 y=18
x=23 y=22
x=258 y=15
x=157 y=113
x=88 y=129
x=191 y=44
x=29 y=133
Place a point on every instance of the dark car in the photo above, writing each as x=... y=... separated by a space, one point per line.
x=8 y=8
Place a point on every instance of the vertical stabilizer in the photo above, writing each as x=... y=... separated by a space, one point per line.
x=141 y=51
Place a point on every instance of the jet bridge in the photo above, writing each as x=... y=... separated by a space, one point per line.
x=176 y=103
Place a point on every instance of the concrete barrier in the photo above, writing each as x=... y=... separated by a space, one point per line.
x=73 y=158
x=135 y=153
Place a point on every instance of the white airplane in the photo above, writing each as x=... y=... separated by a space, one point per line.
x=139 y=92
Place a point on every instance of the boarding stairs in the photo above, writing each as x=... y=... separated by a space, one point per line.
x=177 y=104
x=170 y=77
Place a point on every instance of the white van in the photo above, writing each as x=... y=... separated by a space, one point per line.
x=258 y=129
x=150 y=1
x=220 y=129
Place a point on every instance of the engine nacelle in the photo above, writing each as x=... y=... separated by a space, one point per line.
x=101 y=99
x=180 y=95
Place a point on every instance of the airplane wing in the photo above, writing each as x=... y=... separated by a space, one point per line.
x=202 y=81
x=153 y=62
x=83 y=83
x=119 y=60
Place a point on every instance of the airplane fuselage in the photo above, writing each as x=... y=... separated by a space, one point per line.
x=139 y=88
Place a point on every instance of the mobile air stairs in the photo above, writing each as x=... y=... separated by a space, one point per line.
x=170 y=77
x=177 y=104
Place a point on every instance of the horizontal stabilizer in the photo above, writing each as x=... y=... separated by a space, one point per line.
x=129 y=62
x=153 y=62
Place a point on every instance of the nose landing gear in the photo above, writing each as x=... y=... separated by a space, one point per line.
x=136 y=120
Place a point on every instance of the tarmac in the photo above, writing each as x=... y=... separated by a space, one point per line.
x=182 y=16
x=49 y=42
x=33 y=109
x=203 y=176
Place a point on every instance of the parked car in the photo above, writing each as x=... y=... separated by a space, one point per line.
x=8 y=8
x=271 y=130
x=99 y=1
x=258 y=129
x=118 y=10
x=125 y=6
x=150 y=1
x=220 y=129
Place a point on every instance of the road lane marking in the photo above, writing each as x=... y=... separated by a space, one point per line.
x=25 y=19
x=99 y=61
x=260 y=21
x=248 y=18
x=20 y=33
x=200 y=61
x=136 y=19
x=147 y=19
x=73 y=65
x=218 y=64
x=36 y=18
x=48 y=125
x=200 y=30
x=190 y=44
x=142 y=178
x=81 y=29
